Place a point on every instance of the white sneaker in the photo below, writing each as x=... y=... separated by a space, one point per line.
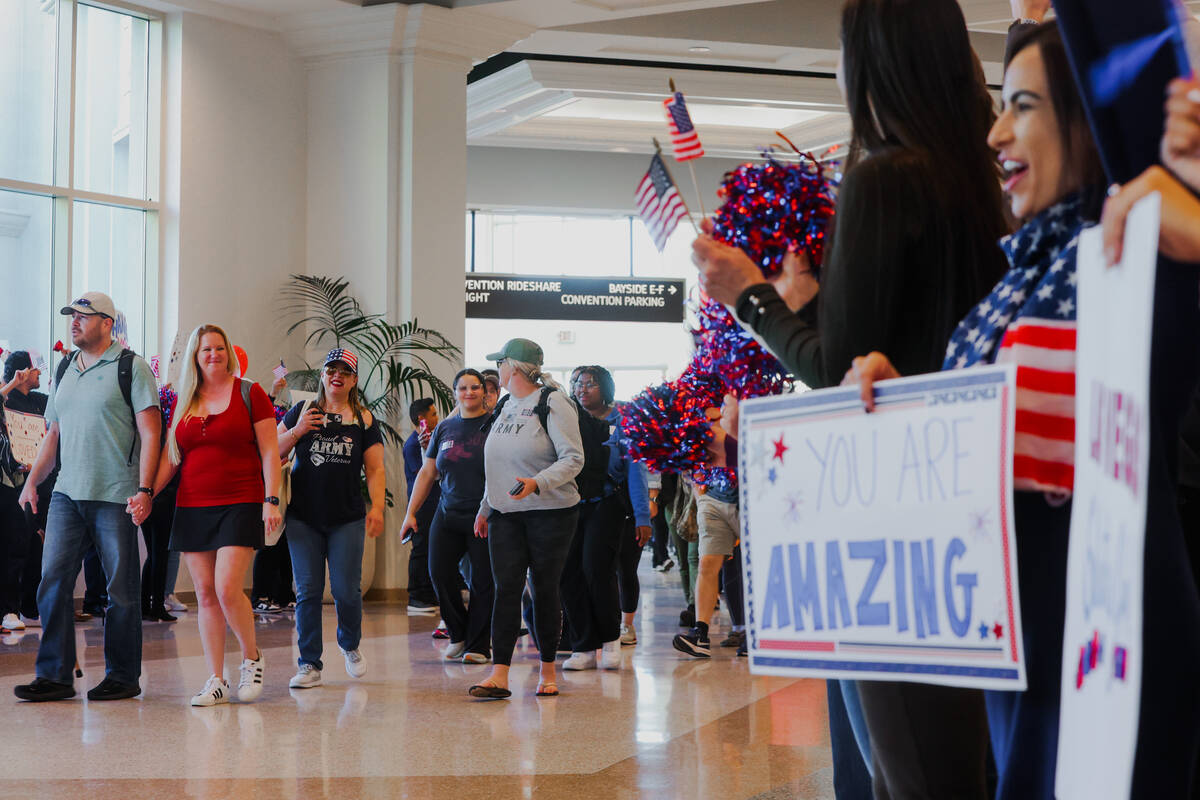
x=31 y=622
x=356 y=663
x=215 y=691
x=580 y=661
x=628 y=635
x=12 y=622
x=610 y=655
x=250 y=680
x=455 y=651
x=475 y=658
x=172 y=603
x=306 y=677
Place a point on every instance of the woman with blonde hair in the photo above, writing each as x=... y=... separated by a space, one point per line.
x=223 y=444
x=530 y=508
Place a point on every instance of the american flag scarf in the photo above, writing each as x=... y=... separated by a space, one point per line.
x=1029 y=320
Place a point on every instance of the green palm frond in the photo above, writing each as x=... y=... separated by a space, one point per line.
x=393 y=360
x=326 y=305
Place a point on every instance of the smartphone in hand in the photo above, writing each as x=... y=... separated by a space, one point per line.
x=516 y=490
x=331 y=418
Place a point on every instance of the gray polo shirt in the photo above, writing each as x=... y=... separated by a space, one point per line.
x=96 y=429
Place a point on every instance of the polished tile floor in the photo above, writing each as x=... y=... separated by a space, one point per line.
x=662 y=726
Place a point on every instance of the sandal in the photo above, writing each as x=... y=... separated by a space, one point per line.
x=489 y=692
x=549 y=689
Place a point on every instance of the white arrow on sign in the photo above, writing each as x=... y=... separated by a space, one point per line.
x=672 y=289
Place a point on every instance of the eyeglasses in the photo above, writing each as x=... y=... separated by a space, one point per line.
x=334 y=372
x=501 y=361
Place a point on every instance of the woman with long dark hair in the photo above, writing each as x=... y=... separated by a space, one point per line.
x=1055 y=186
x=454 y=458
x=913 y=247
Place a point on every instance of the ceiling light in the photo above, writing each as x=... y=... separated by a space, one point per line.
x=618 y=149
x=699 y=49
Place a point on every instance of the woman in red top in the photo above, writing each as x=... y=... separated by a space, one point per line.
x=223 y=444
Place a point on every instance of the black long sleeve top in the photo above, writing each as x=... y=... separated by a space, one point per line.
x=907 y=261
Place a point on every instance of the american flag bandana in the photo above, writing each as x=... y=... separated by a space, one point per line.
x=345 y=356
x=1029 y=320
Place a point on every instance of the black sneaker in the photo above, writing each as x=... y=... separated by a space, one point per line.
x=108 y=689
x=734 y=639
x=687 y=617
x=421 y=608
x=692 y=644
x=43 y=689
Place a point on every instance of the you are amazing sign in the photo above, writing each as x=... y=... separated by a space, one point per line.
x=881 y=545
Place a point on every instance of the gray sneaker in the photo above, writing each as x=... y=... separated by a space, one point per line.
x=356 y=663
x=306 y=677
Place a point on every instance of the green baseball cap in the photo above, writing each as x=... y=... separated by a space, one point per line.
x=519 y=350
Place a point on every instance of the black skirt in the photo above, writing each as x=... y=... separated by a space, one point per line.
x=204 y=528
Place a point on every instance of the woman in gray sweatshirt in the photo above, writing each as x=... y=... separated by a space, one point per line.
x=529 y=509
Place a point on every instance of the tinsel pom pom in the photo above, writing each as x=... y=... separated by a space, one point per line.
x=773 y=207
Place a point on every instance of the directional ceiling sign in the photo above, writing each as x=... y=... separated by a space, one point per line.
x=492 y=296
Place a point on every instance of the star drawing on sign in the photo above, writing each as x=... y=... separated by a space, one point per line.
x=980 y=523
x=758 y=451
x=772 y=475
x=794 y=502
x=983 y=630
x=961 y=362
x=780 y=448
x=998 y=629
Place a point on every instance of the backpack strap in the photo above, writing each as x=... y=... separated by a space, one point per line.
x=495 y=415
x=245 y=386
x=62 y=369
x=542 y=409
x=125 y=382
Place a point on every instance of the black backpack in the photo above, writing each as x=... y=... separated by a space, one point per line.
x=592 y=431
x=124 y=380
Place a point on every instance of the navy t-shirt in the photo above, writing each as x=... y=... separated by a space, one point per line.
x=326 y=484
x=457 y=448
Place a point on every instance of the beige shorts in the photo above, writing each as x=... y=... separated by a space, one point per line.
x=720 y=527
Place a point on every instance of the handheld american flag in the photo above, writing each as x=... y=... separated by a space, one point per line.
x=684 y=138
x=659 y=203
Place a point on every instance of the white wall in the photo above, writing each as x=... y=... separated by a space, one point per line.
x=234 y=187
x=240 y=205
x=499 y=177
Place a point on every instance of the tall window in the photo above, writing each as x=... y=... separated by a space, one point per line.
x=79 y=133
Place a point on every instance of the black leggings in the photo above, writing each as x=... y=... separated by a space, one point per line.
x=627 y=566
x=731 y=587
x=533 y=542
x=156 y=530
x=589 y=579
x=272 y=573
x=450 y=536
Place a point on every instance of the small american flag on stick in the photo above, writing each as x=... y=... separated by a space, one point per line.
x=684 y=138
x=659 y=203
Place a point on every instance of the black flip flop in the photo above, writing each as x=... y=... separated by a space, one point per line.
x=489 y=692
x=543 y=693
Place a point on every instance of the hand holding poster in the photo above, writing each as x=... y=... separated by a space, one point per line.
x=1102 y=662
x=25 y=432
x=880 y=546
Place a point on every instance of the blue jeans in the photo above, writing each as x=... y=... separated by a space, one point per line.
x=311 y=546
x=71 y=528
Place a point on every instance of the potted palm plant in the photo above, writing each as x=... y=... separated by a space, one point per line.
x=393 y=360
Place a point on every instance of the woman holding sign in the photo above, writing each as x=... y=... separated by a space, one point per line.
x=909 y=255
x=1055 y=185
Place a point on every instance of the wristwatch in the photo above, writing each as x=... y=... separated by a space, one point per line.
x=147 y=490
x=272 y=500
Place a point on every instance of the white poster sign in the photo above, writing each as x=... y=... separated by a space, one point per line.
x=1102 y=661
x=25 y=432
x=880 y=546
